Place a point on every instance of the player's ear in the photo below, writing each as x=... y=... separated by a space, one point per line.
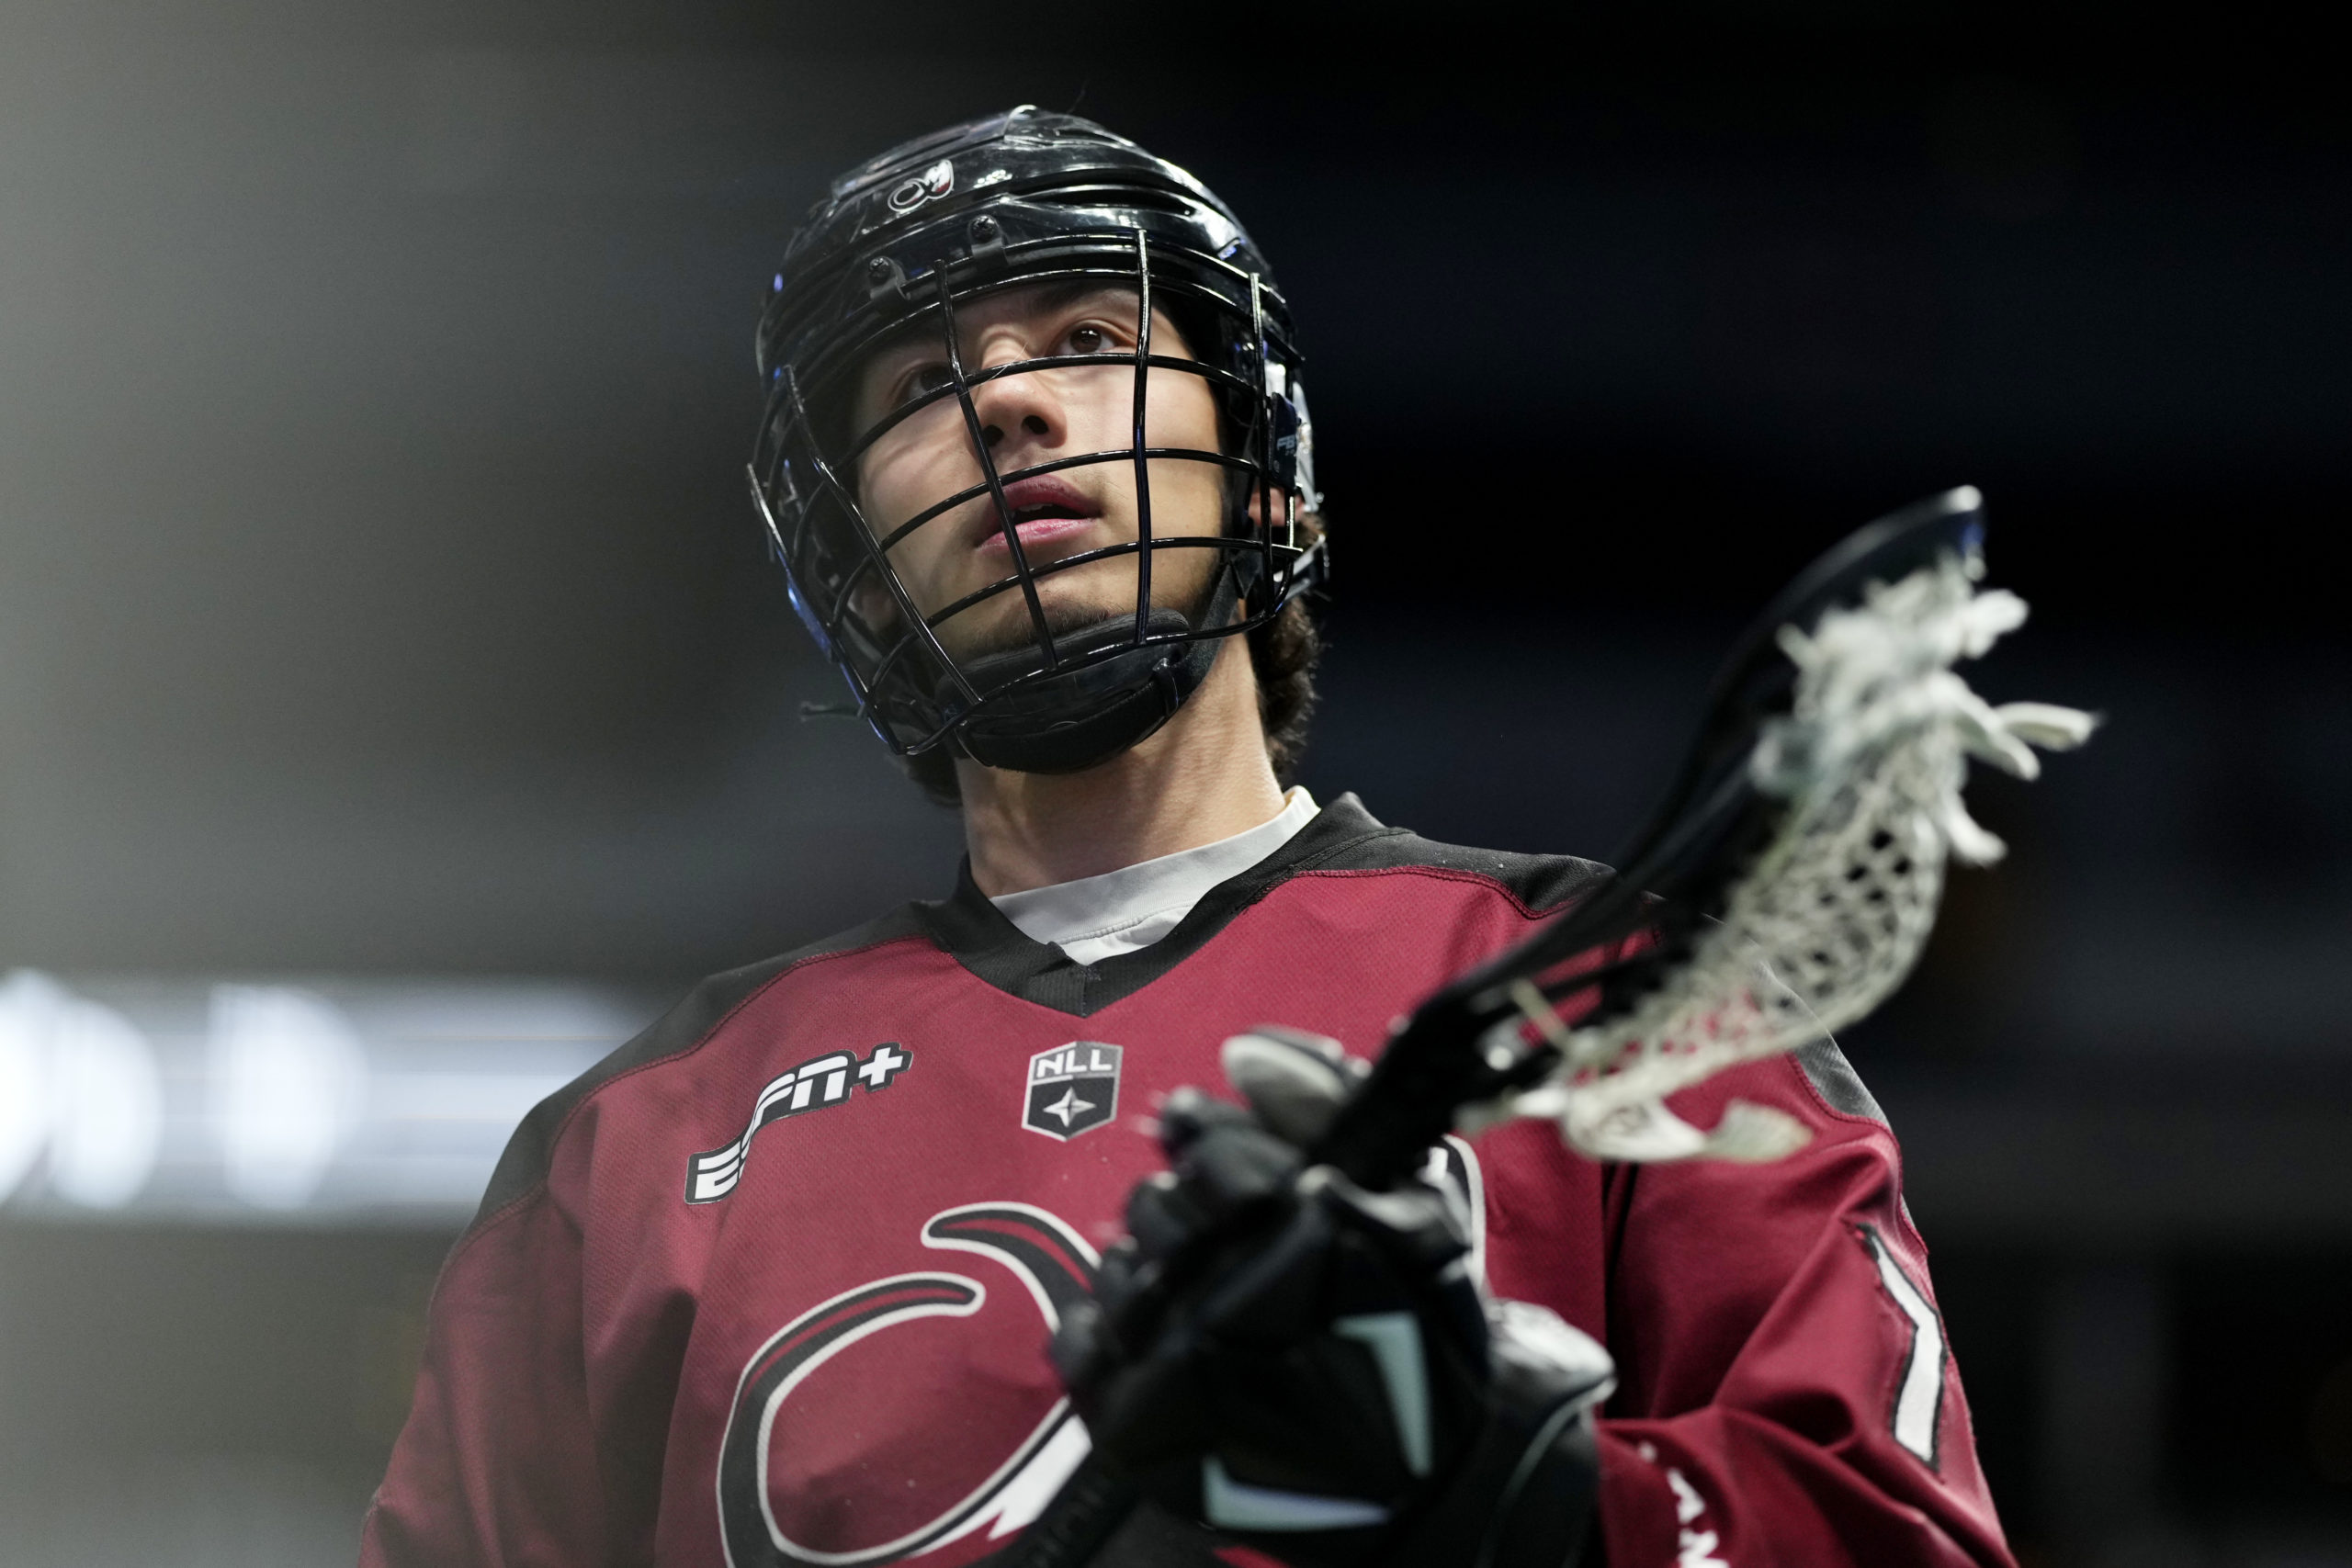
x=873 y=604
x=1274 y=502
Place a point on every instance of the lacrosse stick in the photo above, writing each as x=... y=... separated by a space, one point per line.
x=1782 y=890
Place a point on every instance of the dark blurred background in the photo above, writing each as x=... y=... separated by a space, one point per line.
x=381 y=617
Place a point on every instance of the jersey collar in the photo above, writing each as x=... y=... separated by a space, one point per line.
x=981 y=938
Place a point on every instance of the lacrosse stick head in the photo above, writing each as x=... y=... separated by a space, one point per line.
x=1670 y=856
x=1783 y=889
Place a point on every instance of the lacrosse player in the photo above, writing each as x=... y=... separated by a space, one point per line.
x=827 y=1267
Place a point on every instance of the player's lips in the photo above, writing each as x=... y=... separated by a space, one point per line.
x=1047 y=511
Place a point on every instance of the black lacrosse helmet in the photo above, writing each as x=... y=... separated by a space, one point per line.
x=910 y=236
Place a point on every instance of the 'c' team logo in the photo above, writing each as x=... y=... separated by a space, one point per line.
x=928 y=186
x=1010 y=1471
x=1073 y=1088
x=1056 y=1267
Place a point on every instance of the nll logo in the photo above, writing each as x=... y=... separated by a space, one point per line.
x=1073 y=1088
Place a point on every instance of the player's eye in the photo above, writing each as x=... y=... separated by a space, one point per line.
x=922 y=379
x=1088 y=338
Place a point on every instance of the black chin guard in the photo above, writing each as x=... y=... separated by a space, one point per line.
x=1069 y=720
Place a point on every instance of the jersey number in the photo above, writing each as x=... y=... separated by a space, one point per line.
x=1919 y=1396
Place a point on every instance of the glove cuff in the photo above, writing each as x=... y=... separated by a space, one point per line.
x=1524 y=1496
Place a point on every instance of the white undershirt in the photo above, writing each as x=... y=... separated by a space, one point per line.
x=1096 y=917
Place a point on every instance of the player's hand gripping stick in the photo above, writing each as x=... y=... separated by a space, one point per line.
x=1308 y=1365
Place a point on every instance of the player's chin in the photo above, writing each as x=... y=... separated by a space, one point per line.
x=1073 y=601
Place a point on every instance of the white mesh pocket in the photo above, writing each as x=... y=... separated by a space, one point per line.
x=1838 y=907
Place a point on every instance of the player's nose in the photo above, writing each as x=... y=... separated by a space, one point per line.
x=1019 y=409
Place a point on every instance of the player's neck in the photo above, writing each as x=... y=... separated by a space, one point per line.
x=1203 y=777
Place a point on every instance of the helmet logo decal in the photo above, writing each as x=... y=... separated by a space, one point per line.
x=928 y=186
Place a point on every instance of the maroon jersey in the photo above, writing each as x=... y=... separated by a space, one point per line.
x=771 y=1285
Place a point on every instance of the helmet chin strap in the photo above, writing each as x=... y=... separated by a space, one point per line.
x=1076 y=719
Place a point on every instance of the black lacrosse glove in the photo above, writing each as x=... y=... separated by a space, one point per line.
x=1309 y=1367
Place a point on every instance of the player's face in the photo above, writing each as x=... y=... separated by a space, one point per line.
x=1027 y=418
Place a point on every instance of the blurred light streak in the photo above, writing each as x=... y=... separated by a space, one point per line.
x=100 y=1111
x=238 y=1102
x=290 y=1079
x=24 y=1086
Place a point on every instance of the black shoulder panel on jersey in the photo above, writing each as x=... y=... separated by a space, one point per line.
x=1343 y=836
x=1833 y=1077
x=531 y=1150
x=1540 y=882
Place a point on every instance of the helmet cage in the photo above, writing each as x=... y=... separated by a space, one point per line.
x=908 y=686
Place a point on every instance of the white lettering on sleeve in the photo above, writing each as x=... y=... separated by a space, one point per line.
x=1919 y=1395
x=1694 y=1548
